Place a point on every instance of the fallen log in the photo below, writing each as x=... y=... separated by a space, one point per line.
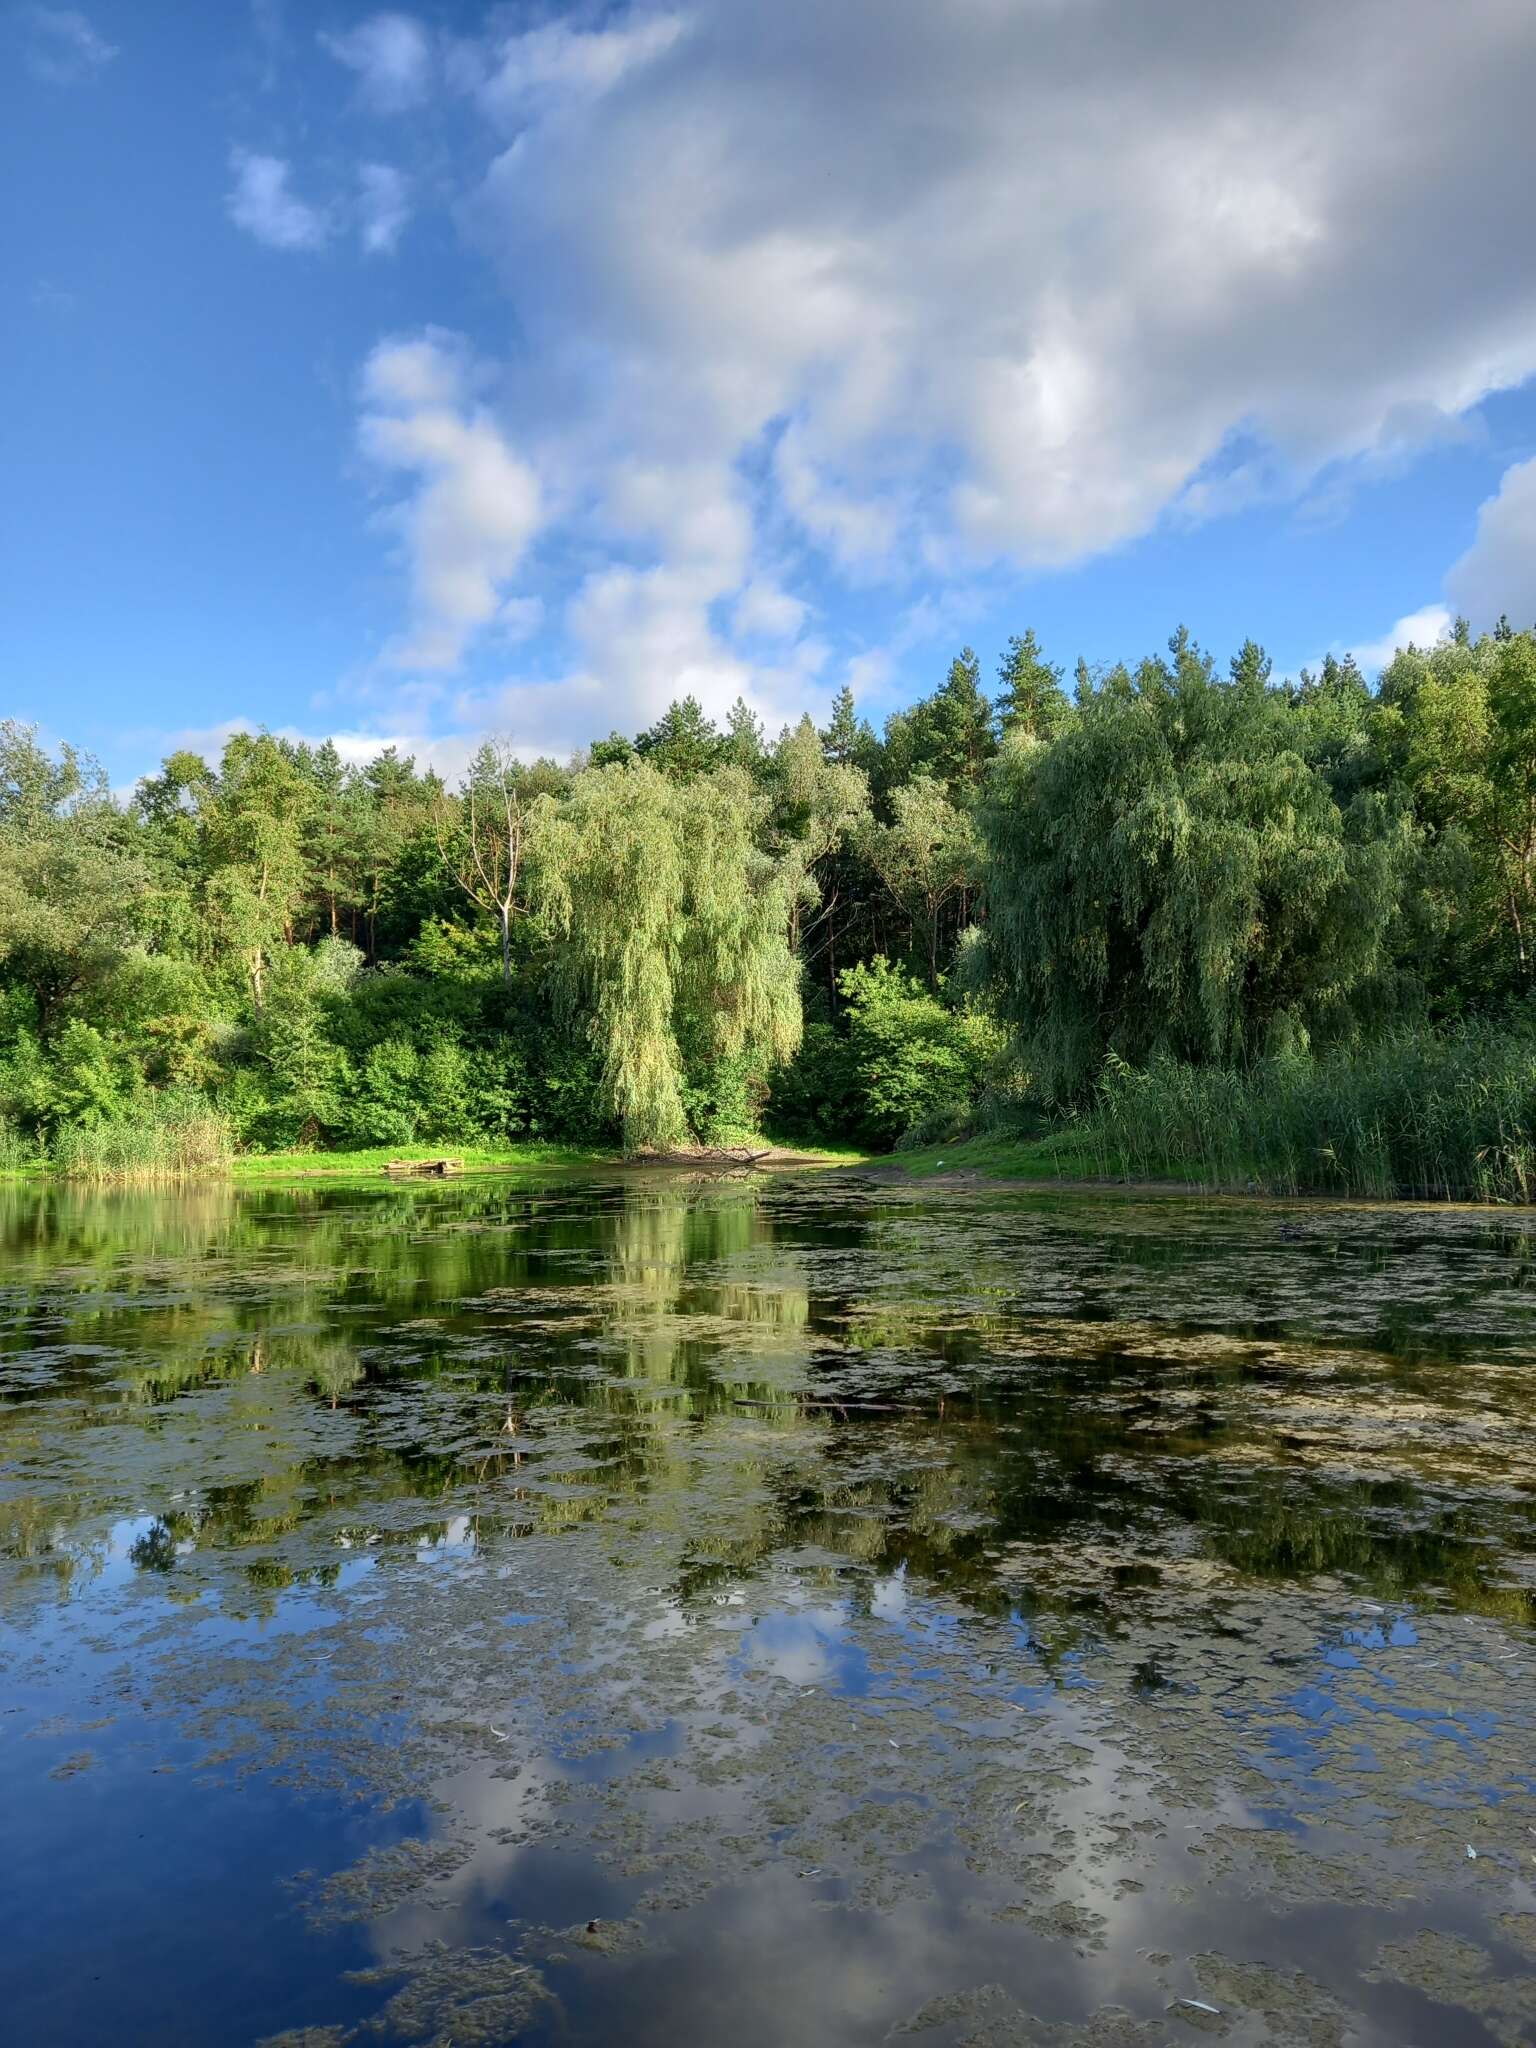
x=423 y=1169
x=707 y=1155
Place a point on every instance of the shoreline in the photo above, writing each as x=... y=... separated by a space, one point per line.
x=253 y=1169
x=1026 y=1165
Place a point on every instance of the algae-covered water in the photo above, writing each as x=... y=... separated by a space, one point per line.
x=798 y=1610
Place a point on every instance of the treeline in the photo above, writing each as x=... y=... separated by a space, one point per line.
x=983 y=916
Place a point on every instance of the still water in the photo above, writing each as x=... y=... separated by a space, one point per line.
x=802 y=1609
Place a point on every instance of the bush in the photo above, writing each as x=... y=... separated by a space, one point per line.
x=814 y=1096
x=386 y=1107
x=904 y=1061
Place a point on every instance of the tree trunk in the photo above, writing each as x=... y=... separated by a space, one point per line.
x=505 y=912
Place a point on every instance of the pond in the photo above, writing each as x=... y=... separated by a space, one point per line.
x=798 y=1608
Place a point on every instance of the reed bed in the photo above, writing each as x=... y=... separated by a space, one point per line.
x=175 y=1143
x=1448 y=1118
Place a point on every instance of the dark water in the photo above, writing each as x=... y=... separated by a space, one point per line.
x=805 y=1610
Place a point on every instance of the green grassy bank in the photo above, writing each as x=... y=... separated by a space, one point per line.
x=132 y=1154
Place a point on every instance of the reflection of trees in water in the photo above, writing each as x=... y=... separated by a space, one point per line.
x=513 y=1361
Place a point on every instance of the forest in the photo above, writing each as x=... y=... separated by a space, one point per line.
x=1164 y=919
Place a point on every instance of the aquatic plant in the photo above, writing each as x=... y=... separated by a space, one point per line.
x=178 y=1137
x=1449 y=1117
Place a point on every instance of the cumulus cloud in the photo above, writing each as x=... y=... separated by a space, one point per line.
x=1060 y=258
x=766 y=611
x=384 y=206
x=263 y=202
x=1498 y=572
x=474 y=504
x=392 y=56
x=63 y=47
x=1423 y=628
x=905 y=291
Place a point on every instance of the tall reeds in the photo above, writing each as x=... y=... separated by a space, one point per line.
x=1449 y=1118
x=178 y=1139
x=15 y=1152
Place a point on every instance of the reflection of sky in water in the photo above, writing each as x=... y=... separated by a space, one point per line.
x=811 y=1647
x=762 y=1614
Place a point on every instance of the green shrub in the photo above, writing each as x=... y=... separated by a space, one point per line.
x=386 y=1105
x=913 y=1059
x=814 y=1096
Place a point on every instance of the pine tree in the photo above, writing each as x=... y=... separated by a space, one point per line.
x=1030 y=700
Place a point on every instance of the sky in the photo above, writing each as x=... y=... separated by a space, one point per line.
x=412 y=375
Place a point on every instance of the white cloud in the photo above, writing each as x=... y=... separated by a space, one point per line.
x=1072 y=269
x=384 y=206
x=392 y=56
x=449 y=753
x=1064 y=256
x=263 y=203
x=766 y=611
x=62 y=46
x=520 y=618
x=1498 y=572
x=1423 y=628
x=475 y=504
x=515 y=73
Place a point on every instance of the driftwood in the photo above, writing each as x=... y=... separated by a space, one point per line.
x=423 y=1169
x=707 y=1156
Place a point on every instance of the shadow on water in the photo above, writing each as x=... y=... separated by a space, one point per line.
x=576 y=1609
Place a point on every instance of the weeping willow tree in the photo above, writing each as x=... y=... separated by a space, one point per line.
x=673 y=925
x=1168 y=876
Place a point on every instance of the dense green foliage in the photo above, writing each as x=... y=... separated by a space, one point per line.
x=1203 y=902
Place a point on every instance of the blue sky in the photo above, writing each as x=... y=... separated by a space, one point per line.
x=415 y=374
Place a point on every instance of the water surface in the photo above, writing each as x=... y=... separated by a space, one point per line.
x=798 y=1609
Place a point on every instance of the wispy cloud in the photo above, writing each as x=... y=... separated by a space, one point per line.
x=262 y=201
x=392 y=55
x=512 y=74
x=63 y=47
x=48 y=296
x=384 y=206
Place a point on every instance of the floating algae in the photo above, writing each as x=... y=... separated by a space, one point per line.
x=577 y=1610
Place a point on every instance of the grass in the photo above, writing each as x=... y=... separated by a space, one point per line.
x=1062 y=1155
x=374 y=1158
x=185 y=1151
